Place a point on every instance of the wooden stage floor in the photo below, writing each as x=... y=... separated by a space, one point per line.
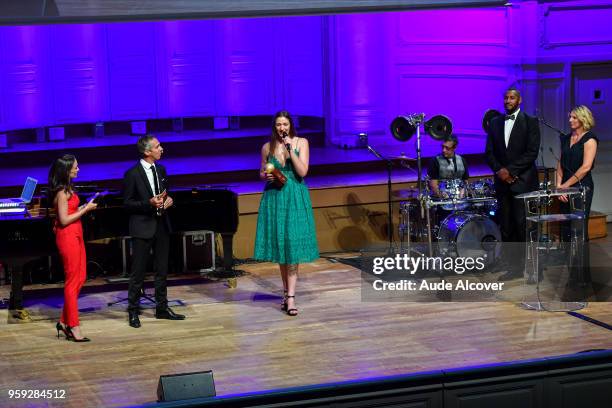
x=250 y=345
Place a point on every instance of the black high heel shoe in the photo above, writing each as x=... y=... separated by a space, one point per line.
x=284 y=302
x=81 y=340
x=293 y=311
x=61 y=328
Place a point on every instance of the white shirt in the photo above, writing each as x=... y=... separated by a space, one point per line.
x=509 y=124
x=147 y=168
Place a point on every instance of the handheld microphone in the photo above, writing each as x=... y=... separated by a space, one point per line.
x=287 y=145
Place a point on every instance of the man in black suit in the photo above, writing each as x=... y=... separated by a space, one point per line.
x=512 y=149
x=146 y=199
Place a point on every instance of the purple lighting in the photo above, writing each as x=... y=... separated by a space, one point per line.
x=357 y=70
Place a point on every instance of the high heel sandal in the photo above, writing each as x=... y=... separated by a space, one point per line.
x=73 y=338
x=293 y=311
x=284 y=302
x=61 y=328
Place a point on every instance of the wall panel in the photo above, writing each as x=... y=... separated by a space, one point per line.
x=132 y=71
x=24 y=70
x=79 y=73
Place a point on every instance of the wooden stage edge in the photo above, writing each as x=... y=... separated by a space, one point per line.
x=241 y=334
x=352 y=217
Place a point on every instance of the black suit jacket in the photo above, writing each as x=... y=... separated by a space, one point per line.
x=136 y=195
x=520 y=155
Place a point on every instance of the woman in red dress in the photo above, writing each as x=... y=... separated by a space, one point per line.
x=69 y=240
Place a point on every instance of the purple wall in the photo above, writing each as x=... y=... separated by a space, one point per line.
x=359 y=71
x=85 y=73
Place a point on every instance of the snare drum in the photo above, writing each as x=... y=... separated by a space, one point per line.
x=465 y=234
x=452 y=193
x=481 y=188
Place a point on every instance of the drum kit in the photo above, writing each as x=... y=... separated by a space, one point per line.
x=458 y=219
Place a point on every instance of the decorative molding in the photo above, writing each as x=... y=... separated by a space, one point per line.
x=491 y=77
x=452 y=39
x=545 y=23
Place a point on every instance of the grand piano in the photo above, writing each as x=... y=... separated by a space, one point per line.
x=28 y=236
x=194 y=209
x=23 y=237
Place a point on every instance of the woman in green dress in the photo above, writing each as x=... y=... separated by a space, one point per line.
x=285 y=223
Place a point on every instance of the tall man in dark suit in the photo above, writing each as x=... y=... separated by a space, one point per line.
x=512 y=149
x=146 y=199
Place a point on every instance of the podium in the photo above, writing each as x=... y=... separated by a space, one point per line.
x=555 y=251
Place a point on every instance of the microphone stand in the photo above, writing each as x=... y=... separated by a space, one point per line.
x=390 y=214
x=548 y=125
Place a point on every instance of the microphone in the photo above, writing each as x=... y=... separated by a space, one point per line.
x=545 y=123
x=375 y=153
x=287 y=145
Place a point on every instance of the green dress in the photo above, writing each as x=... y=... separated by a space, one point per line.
x=285 y=223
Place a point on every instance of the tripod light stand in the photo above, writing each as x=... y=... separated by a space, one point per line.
x=439 y=127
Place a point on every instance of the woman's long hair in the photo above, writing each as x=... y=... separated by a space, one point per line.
x=273 y=135
x=59 y=175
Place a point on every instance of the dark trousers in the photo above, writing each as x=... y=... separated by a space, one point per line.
x=511 y=218
x=141 y=251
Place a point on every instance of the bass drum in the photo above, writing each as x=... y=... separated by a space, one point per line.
x=469 y=235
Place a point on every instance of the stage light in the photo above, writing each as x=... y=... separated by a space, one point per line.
x=403 y=127
x=487 y=118
x=439 y=127
x=362 y=140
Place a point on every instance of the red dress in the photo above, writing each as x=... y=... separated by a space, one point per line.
x=69 y=240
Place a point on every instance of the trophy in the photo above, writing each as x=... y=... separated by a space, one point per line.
x=279 y=177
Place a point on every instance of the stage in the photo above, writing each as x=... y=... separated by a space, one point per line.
x=241 y=334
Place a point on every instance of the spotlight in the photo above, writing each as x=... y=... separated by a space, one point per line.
x=403 y=127
x=439 y=127
x=487 y=118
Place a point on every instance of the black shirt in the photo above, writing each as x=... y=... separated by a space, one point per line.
x=572 y=157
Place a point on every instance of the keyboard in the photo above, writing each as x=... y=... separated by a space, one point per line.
x=14 y=204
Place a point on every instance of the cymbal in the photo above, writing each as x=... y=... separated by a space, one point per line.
x=406 y=193
x=402 y=157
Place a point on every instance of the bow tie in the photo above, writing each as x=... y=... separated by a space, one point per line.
x=509 y=117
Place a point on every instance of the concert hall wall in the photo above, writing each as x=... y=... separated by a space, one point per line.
x=357 y=71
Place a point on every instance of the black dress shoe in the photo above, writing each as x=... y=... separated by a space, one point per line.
x=134 y=320
x=167 y=313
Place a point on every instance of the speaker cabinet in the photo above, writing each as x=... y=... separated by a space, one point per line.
x=178 y=387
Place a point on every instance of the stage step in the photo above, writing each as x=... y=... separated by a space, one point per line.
x=123 y=147
x=598 y=227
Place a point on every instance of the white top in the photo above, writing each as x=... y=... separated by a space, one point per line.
x=149 y=172
x=509 y=124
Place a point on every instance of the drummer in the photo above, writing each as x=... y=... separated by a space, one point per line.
x=446 y=166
